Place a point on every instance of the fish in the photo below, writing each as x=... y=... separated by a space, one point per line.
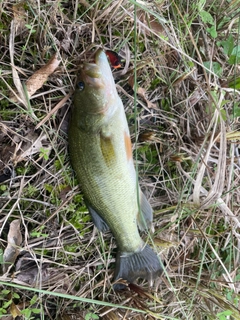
x=101 y=155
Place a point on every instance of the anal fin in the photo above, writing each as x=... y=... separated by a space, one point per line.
x=145 y=217
x=98 y=221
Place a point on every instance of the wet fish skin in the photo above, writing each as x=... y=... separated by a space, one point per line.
x=101 y=155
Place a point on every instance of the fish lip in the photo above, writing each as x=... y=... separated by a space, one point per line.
x=91 y=72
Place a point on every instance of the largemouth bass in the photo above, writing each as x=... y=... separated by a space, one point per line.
x=101 y=155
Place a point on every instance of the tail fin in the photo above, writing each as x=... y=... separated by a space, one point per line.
x=143 y=264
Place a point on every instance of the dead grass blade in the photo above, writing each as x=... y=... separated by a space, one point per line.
x=217 y=188
x=187 y=151
x=54 y=110
x=35 y=145
x=21 y=94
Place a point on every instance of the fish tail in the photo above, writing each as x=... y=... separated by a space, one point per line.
x=130 y=266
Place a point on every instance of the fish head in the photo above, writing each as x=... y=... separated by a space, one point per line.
x=96 y=88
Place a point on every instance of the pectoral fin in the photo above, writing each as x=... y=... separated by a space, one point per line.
x=99 y=223
x=145 y=217
x=107 y=148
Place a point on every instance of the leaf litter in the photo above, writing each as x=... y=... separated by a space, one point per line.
x=187 y=155
x=14 y=240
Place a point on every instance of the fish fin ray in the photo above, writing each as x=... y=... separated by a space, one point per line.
x=98 y=221
x=107 y=148
x=128 y=146
x=145 y=218
x=143 y=264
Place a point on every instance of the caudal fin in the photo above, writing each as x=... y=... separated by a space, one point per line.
x=143 y=264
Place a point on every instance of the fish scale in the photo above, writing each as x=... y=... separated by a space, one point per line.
x=101 y=156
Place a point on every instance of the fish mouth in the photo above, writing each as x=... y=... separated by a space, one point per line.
x=91 y=72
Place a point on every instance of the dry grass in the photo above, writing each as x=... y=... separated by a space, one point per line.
x=187 y=154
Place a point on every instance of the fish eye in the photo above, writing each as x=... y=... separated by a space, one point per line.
x=81 y=85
